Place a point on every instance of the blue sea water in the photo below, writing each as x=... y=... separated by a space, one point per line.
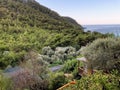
x=115 y=29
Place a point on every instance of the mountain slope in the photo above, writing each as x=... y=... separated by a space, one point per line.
x=31 y=13
x=72 y=21
x=26 y=25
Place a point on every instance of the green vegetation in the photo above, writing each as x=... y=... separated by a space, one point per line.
x=27 y=25
x=59 y=55
x=31 y=74
x=5 y=83
x=57 y=80
x=103 y=54
x=34 y=37
x=98 y=81
x=71 y=67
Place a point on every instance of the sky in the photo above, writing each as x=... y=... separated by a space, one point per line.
x=87 y=12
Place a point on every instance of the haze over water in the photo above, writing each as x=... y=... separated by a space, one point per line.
x=104 y=28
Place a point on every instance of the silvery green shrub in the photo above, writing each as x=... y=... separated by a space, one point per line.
x=79 y=51
x=55 y=58
x=103 y=53
x=36 y=63
x=46 y=58
x=73 y=54
x=60 y=54
x=65 y=53
x=47 y=51
x=70 y=49
x=66 y=50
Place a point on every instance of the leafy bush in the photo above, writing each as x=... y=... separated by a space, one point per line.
x=103 y=54
x=97 y=81
x=65 y=53
x=10 y=58
x=47 y=51
x=70 y=66
x=5 y=83
x=59 y=55
x=36 y=64
x=57 y=80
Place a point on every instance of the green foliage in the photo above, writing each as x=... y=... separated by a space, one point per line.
x=47 y=51
x=56 y=63
x=97 y=81
x=59 y=55
x=57 y=80
x=5 y=83
x=33 y=14
x=26 y=25
x=70 y=66
x=103 y=54
x=36 y=64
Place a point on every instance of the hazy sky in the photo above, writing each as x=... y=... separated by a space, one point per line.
x=87 y=11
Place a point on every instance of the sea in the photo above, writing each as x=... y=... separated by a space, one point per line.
x=115 y=29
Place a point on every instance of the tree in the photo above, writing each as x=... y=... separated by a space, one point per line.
x=103 y=54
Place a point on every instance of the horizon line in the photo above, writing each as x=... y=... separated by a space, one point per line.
x=99 y=24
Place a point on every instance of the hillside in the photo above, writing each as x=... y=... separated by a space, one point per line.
x=26 y=25
x=72 y=21
x=31 y=13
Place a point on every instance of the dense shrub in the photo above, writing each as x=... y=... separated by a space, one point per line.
x=98 y=81
x=32 y=73
x=65 y=53
x=57 y=80
x=5 y=83
x=59 y=55
x=36 y=64
x=25 y=79
x=71 y=66
x=47 y=51
x=103 y=54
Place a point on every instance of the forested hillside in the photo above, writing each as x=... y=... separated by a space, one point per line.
x=26 y=25
x=31 y=13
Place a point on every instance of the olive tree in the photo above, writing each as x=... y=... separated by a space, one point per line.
x=103 y=54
